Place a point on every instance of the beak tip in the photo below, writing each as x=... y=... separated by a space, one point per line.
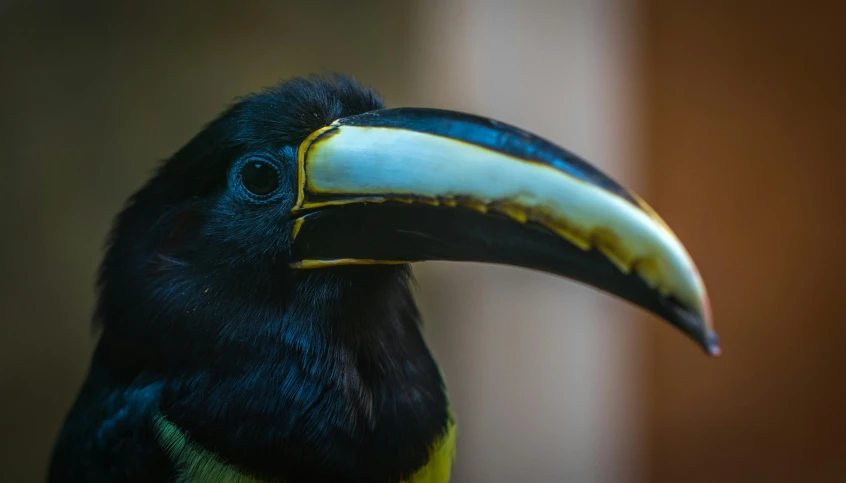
x=712 y=345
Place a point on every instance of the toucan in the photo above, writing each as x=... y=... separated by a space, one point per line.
x=255 y=313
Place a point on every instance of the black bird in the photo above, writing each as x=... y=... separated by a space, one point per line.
x=255 y=316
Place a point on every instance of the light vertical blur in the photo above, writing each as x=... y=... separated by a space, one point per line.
x=543 y=372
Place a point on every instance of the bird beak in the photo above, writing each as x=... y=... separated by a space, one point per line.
x=406 y=185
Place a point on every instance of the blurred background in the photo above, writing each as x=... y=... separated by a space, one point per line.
x=729 y=117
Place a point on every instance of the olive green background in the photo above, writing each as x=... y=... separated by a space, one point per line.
x=94 y=94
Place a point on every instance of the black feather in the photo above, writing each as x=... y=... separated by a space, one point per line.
x=315 y=376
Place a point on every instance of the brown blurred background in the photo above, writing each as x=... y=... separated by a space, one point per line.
x=728 y=116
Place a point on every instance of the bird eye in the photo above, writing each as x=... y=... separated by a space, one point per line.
x=259 y=177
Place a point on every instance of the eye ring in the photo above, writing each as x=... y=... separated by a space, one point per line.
x=258 y=178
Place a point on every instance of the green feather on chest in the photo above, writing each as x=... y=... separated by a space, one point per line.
x=195 y=464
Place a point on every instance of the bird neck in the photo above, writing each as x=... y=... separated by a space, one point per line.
x=334 y=382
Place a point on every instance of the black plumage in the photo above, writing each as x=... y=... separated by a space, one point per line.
x=254 y=302
x=300 y=375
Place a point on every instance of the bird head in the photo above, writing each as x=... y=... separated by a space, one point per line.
x=311 y=186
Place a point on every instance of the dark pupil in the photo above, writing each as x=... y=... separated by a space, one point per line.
x=259 y=178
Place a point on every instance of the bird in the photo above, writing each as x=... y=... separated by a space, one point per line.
x=255 y=316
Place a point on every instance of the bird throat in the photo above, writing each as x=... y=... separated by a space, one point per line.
x=343 y=389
